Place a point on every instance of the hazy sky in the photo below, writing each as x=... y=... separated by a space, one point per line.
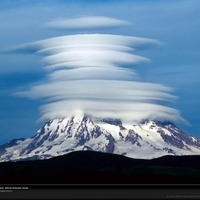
x=174 y=64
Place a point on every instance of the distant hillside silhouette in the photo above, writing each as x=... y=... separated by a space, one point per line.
x=104 y=168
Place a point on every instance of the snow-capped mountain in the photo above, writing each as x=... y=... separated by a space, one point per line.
x=146 y=139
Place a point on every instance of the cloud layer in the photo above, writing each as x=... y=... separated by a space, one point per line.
x=87 y=22
x=93 y=74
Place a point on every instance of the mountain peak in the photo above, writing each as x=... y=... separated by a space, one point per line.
x=145 y=139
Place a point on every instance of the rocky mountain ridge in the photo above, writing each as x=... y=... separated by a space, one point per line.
x=145 y=139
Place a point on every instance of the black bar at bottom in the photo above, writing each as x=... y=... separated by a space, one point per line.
x=105 y=192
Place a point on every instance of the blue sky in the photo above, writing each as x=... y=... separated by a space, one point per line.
x=174 y=64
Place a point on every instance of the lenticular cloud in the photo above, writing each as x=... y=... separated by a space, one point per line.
x=86 y=22
x=93 y=74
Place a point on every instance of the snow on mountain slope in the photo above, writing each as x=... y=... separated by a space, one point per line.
x=146 y=139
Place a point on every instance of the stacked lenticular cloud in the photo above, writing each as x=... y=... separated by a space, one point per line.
x=93 y=74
